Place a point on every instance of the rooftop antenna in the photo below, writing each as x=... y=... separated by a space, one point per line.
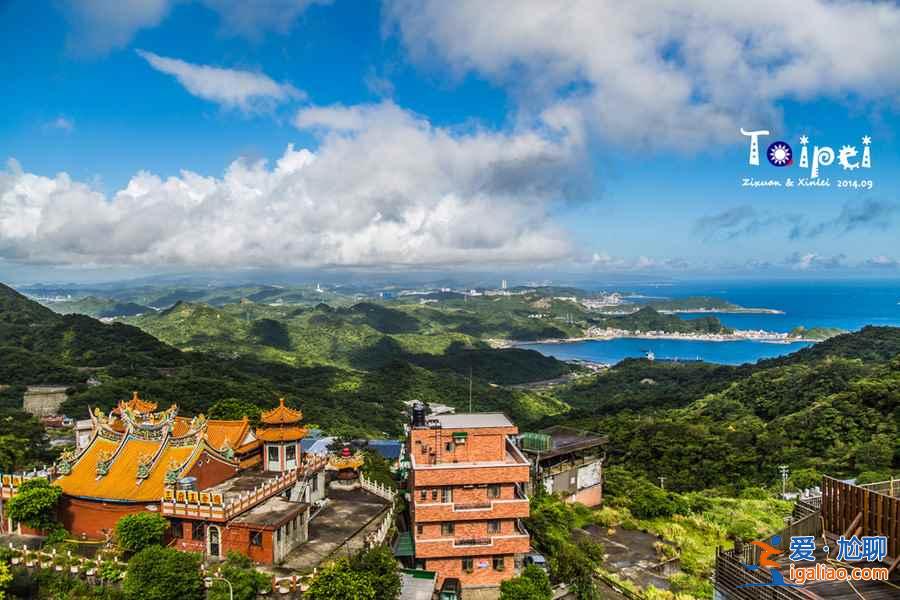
x=470 y=387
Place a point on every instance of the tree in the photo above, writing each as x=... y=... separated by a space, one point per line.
x=5 y=578
x=136 y=532
x=380 y=564
x=339 y=581
x=246 y=581
x=157 y=573
x=532 y=584
x=233 y=409
x=35 y=504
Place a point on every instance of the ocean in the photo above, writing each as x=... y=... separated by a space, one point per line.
x=848 y=305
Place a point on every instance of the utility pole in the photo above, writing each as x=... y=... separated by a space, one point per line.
x=784 y=477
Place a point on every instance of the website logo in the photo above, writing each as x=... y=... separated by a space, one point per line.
x=814 y=160
x=768 y=565
x=870 y=549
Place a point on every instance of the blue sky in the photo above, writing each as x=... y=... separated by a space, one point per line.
x=442 y=135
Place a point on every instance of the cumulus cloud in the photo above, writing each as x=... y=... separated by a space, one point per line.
x=231 y=88
x=663 y=74
x=384 y=187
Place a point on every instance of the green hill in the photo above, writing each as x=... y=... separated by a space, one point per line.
x=648 y=319
x=833 y=407
x=362 y=336
x=38 y=346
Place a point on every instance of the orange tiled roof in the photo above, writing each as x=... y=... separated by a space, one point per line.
x=138 y=405
x=121 y=482
x=281 y=434
x=234 y=432
x=281 y=414
x=180 y=426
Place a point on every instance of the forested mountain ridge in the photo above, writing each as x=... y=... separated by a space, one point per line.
x=39 y=346
x=833 y=407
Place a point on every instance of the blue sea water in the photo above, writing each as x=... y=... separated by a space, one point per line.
x=848 y=305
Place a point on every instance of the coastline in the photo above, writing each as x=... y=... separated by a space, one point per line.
x=748 y=336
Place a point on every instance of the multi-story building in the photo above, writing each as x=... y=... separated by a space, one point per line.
x=467 y=487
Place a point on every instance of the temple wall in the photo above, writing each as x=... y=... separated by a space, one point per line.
x=93 y=519
x=210 y=471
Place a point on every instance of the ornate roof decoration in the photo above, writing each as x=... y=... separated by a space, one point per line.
x=346 y=460
x=136 y=404
x=281 y=415
x=104 y=459
x=145 y=461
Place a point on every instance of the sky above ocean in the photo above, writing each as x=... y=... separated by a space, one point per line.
x=603 y=138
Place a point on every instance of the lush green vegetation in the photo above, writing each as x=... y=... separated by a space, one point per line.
x=157 y=573
x=554 y=526
x=648 y=319
x=833 y=407
x=532 y=584
x=245 y=580
x=35 y=504
x=138 y=531
x=367 y=575
x=693 y=524
x=123 y=359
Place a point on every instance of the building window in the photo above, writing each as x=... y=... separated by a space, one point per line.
x=256 y=538
x=493 y=490
x=273 y=453
x=423 y=495
x=419 y=529
x=448 y=446
x=467 y=565
x=198 y=532
x=493 y=526
x=314 y=484
x=499 y=563
x=434 y=493
x=446 y=494
x=290 y=453
x=280 y=533
x=176 y=529
x=447 y=528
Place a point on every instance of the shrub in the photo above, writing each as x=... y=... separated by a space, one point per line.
x=35 y=504
x=138 y=531
x=157 y=573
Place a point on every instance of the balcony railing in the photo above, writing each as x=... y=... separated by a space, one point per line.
x=472 y=506
x=472 y=542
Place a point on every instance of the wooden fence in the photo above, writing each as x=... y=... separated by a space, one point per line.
x=849 y=509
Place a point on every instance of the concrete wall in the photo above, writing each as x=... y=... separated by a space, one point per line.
x=43 y=400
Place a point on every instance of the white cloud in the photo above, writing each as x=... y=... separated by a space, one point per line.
x=813 y=261
x=103 y=25
x=663 y=74
x=231 y=88
x=60 y=123
x=99 y=26
x=384 y=187
x=252 y=19
x=883 y=262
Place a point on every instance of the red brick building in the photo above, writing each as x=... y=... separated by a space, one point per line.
x=467 y=498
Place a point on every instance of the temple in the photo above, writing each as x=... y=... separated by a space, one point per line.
x=222 y=484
